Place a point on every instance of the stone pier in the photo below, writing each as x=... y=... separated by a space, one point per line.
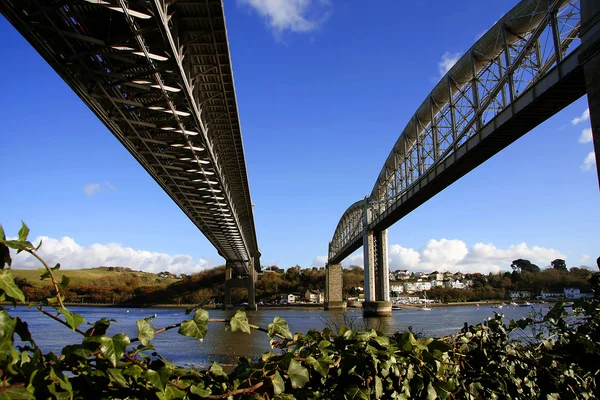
x=333 y=288
x=377 y=275
x=248 y=282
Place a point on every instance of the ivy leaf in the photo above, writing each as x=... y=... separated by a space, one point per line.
x=7 y=329
x=133 y=370
x=278 y=383
x=279 y=326
x=378 y=387
x=354 y=392
x=116 y=377
x=23 y=232
x=322 y=367
x=4 y=251
x=19 y=393
x=298 y=374
x=145 y=331
x=65 y=282
x=8 y=285
x=113 y=348
x=74 y=320
x=196 y=327
x=216 y=369
x=153 y=377
x=200 y=391
x=239 y=322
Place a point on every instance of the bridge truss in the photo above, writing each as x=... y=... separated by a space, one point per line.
x=519 y=73
x=158 y=74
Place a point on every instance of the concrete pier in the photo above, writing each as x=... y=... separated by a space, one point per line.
x=333 y=288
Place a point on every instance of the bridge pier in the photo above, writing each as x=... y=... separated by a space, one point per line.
x=248 y=283
x=590 y=60
x=377 y=275
x=333 y=287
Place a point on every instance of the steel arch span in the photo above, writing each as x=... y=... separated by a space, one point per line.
x=518 y=74
x=158 y=74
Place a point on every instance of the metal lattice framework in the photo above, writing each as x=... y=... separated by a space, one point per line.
x=500 y=76
x=158 y=74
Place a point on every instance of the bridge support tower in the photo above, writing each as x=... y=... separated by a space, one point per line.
x=377 y=275
x=590 y=60
x=248 y=283
x=333 y=288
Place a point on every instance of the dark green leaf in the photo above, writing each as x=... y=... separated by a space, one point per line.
x=7 y=329
x=23 y=232
x=153 y=377
x=113 y=348
x=298 y=374
x=378 y=387
x=8 y=285
x=278 y=383
x=116 y=377
x=279 y=326
x=65 y=282
x=217 y=370
x=133 y=370
x=74 y=320
x=239 y=322
x=354 y=392
x=322 y=367
x=200 y=391
x=145 y=331
x=20 y=393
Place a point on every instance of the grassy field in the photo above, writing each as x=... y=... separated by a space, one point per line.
x=90 y=276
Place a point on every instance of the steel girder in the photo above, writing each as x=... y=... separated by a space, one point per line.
x=502 y=70
x=158 y=75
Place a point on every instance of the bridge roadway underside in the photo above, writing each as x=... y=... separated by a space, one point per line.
x=556 y=90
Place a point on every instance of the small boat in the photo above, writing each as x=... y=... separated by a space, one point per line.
x=526 y=304
x=396 y=308
x=500 y=306
x=512 y=303
x=426 y=308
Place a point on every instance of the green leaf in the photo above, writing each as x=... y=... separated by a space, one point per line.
x=65 y=282
x=217 y=369
x=113 y=348
x=4 y=251
x=354 y=392
x=278 y=383
x=43 y=273
x=279 y=326
x=133 y=370
x=298 y=374
x=200 y=391
x=8 y=285
x=116 y=377
x=74 y=320
x=20 y=393
x=153 y=377
x=322 y=367
x=239 y=322
x=196 y=327
x=145 y=331
x=378 y=387
x=23 y=232
x=7 y=329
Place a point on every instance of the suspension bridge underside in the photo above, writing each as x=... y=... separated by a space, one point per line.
x=539 y=58
x=158 y=74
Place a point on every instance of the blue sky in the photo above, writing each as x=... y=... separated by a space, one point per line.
x=324 y=88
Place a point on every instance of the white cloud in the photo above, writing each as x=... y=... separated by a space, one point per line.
x=72 y=255
x=447 y=61
x=91 y=189
x=320 y=261
x=584 y=258
x=589 y=162
x=292 y=15
x=454 y=255
x=586 y=135
x=584 y=117
x=94 y=188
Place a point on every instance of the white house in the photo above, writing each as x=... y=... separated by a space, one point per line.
x=396 y=288
x=410 y=287
x=572 y=293
x=550 y=296
x=420 y=286
x=436 y=283
x=314 y=296
x=436 y=276
x=292 y=298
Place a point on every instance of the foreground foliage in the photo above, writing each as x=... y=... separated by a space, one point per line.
x=560 y=361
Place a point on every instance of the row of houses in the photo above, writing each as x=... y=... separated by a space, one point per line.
x=421 y=285
x=404 y=275
x=310 y=296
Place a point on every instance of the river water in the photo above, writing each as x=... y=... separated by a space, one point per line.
x=225 y=346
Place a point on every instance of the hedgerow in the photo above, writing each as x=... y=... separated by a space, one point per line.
x=485 y=362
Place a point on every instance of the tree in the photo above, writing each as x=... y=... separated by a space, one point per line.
x=559 y=264
x=522 y=265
